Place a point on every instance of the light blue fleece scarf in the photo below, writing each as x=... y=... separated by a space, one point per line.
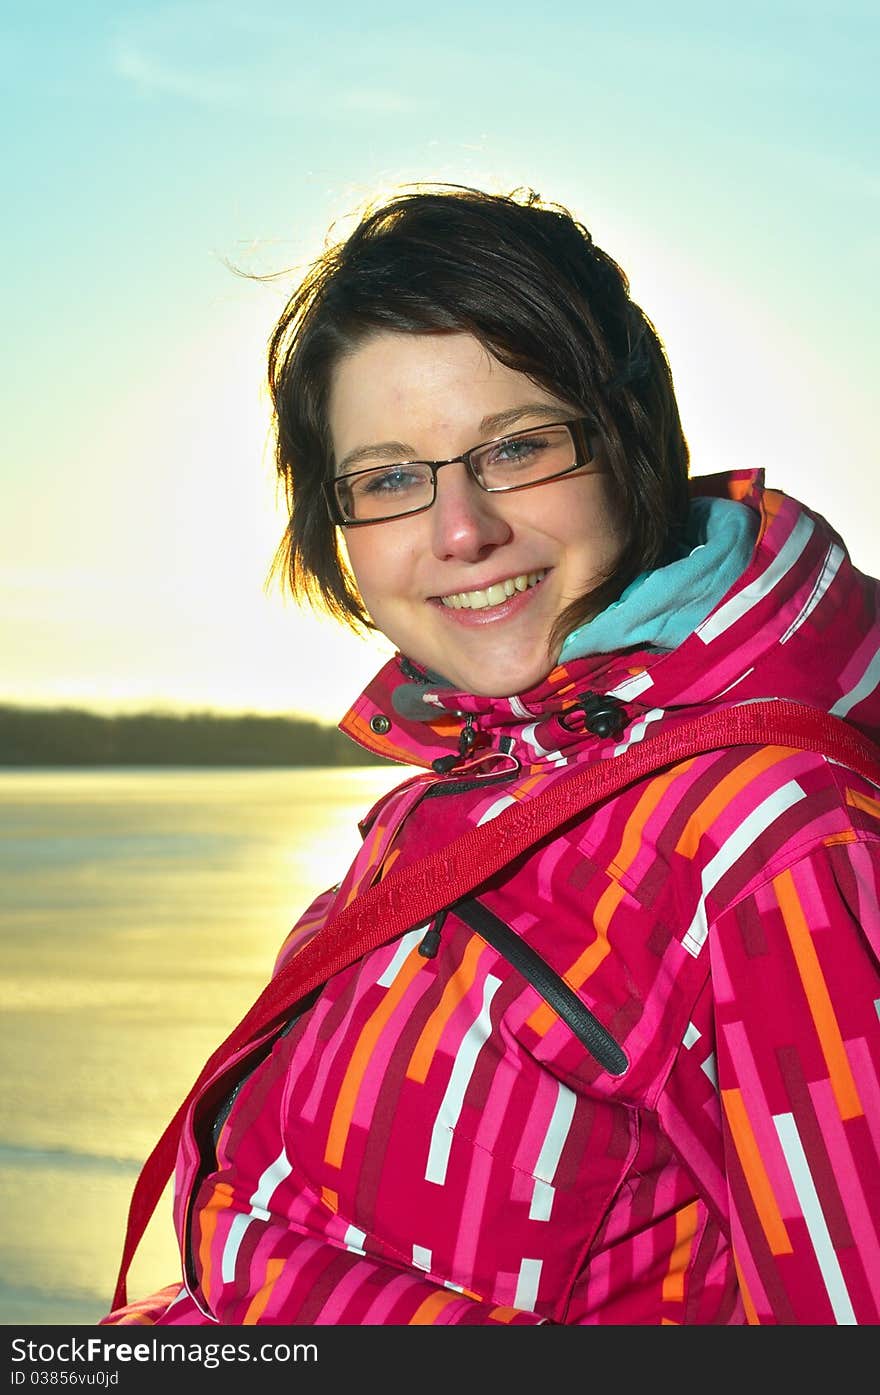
x=662 y=607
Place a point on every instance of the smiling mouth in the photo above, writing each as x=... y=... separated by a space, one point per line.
x=496 y=594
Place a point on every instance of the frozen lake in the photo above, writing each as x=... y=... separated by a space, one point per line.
x=140 y=915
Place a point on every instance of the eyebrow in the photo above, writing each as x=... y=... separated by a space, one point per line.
x=489 y=427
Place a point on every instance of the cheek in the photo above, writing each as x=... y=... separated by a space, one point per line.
x=604 y=524
x=382 y=566
x=587 y=526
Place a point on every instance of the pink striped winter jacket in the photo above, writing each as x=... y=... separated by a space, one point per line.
x=695 y=1141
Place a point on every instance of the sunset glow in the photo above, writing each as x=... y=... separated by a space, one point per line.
x=140 y=514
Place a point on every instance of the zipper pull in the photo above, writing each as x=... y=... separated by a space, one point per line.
x=466 y=742
x=431 y=939
x=468 y=738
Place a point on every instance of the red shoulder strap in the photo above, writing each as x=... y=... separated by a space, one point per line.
x=416 y=892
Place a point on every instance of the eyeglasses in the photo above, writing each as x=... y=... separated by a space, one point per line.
x=527 y=458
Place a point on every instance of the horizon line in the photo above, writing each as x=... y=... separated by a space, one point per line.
x=159 y=708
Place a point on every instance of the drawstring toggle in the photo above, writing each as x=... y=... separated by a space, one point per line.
x=604 y=715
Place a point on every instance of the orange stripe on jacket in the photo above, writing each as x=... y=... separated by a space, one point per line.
x=257 y=1305
x=388 y=864
x=748 y=1302
x=724 y=793
x=367 y=855
x=504 y=1314
x=221 y=1198
x=818 y=997
x=456 y=989
x=542 y=1019
x=427 y=1312
x=863 y=802
x=360 y=1058
x=359 y=729
x=685 y=1230
x=755 y=1173
x=771 y=503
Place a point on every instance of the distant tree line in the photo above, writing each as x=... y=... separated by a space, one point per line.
x=75 y=736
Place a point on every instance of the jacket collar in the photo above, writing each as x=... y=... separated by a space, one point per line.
x=429 y=723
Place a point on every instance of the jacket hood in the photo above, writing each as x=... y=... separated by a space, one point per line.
x=800 y=622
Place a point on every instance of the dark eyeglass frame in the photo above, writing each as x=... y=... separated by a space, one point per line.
x=584 y=455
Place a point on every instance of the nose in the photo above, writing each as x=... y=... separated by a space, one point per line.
x=466 y=521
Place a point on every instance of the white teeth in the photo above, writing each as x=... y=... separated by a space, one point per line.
x=493 y=595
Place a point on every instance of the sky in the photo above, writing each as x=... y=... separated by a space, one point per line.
x=170 y=171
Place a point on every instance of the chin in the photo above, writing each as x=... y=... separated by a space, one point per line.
x=507 y=683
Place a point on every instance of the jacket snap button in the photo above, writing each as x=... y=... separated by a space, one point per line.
x=380 y=725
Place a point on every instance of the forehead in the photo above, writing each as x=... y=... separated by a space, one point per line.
x=395 y=386
x=390 y=366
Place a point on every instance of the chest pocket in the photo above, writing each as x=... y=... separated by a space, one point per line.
x=553 y=989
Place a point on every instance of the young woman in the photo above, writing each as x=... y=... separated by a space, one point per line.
x=633 y=1078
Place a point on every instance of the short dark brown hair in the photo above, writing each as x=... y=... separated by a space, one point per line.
x=527 y=280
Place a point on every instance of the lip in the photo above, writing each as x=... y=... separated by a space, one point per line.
x=514 y=604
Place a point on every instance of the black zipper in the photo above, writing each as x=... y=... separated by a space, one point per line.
x=449 y=786
x=553 y=989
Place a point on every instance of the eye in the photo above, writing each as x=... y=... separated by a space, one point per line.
x=514 y=450
x=393 y=480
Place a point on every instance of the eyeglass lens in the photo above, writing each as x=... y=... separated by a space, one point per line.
x=513 y=462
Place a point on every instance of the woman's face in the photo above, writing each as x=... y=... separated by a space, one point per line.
x=429 y=397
